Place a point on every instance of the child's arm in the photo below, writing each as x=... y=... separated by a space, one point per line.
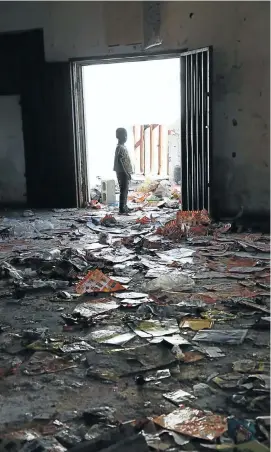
x=125 y=162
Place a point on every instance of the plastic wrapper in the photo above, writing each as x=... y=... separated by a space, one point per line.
x=112 y=335
x=147 y=186
x=160 y=375
x=193 y=422
x=241 y=431
x=175 y=339
x=90 y=309
x=155 y=328
x=126 y=269
x=76 y=347
x=173 y=281
x=196 y=324
x=182 y=255
x=217 y=315
x=97 y=281
x=178 y=397
x=233 y=337
x=163 y=190
x=144 y=220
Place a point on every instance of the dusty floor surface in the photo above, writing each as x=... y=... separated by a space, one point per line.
x=43 y=381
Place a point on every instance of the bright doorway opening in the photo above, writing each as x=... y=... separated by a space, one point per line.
x=143 y=97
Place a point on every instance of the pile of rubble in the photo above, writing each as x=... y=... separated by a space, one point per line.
x=162 y=315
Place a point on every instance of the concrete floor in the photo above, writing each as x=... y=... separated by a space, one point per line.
x=30 y=401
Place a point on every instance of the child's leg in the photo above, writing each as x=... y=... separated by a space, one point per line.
x=124 y=186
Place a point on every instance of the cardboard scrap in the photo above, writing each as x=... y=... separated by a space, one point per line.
x=192 y=422
x=97 y=281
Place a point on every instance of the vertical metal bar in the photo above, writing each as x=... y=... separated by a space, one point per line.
x=199 y=136
x=193 y=81
x=142 y=149
x=205 y=130
x=197 y=131
x=160 y=149
x=151 y=148
x=192 y=207
x=208 y=127
x=202 y=133
x=167 y=156
x=134 y=135
x=183 y=132
x=188 y=175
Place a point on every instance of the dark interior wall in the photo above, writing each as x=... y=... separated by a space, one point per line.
x=45 y=91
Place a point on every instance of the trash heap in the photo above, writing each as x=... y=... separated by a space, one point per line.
x=148 y=332
x=153 y=193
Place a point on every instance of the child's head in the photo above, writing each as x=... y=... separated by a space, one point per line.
x=121 y=135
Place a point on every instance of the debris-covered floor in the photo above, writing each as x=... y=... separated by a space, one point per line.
x=168 y=319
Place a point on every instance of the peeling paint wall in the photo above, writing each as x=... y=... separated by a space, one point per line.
x=12 y=161
x=240 y=35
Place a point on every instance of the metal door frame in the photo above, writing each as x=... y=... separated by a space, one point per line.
x=78 y=106
x=79 y=136
x=76 y=65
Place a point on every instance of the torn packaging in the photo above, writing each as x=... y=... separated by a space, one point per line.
x=113 y=335
x=178 y=397
x=196 y=324
x=155 y=328
x=90 y=309
x=194 y=422
x=97 y=281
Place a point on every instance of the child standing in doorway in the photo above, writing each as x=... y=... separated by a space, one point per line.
x=123 y=168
